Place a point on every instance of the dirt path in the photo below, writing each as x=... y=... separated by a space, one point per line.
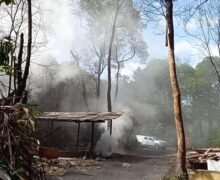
x=142 y=164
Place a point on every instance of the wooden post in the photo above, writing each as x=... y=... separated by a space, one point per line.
x=92 y=140
x=110 y=127
x=77 y=140
x=51 y=130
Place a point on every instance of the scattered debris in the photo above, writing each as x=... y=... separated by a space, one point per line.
x=60 y=165
x=99 y=159
x=127 y=165
x=198 y=158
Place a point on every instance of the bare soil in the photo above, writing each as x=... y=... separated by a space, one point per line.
x=141 y=164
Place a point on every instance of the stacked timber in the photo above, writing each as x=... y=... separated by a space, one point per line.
x=198 y=158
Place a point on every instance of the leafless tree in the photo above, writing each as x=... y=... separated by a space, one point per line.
x=122 y=57
x=107 y=26
x=84 y=91
x=20 y=25
x=207 y=18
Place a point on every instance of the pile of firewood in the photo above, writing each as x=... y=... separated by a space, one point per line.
x=198 y=158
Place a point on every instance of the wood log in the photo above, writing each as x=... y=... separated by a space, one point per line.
x=203 y=150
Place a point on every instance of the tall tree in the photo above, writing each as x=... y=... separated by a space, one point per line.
x=117 y=8
x=21 y=92
x=100 y=17
x=181 y=146
x=109 y=102
x=157 y=11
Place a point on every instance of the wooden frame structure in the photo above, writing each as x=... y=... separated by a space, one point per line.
x=80 y=117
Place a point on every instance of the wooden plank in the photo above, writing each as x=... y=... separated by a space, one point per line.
x=80 y=116
x=69 y=120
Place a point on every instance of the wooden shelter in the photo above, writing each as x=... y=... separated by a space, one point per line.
x=79 y=117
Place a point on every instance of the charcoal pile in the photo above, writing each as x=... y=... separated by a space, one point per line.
x=197 y=159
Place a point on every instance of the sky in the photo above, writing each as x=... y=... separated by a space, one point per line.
x=68 y=31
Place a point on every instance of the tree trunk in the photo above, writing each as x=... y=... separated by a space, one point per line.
x=117 y=82
x=109 y=103
x=18 y=69
x=99 y=77
x=19 y=63
x=85 y=95
x=181 y=148
x=10 y=76
x=21 y=88
x=210 y=122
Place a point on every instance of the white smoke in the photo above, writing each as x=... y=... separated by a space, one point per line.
x=47 y=72
x=109 y=144
x=106 y=145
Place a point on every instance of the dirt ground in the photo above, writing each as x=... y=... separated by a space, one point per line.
x=142 y=164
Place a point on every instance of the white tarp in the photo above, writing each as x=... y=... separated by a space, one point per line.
x=213 y=165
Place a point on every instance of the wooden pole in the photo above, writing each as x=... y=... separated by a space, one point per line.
x=110 y=127
x=92 y=140
x=51 y=130
x=77 y=140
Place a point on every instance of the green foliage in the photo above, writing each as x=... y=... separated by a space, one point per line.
x=150 y=97
x=7 y=2
x=6 y=49
x=17 y=172
x=18 y=143
x=200 y=96
x=214 y=140
x=5 y=52
x=34 y=109
x=176 y=177
x=7 y=69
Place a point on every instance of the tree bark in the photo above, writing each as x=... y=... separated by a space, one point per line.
x=99 y=77
x=181 y=146
x=109 y=103
x=85 y=95
x=22 y=85
x=19 y=63
x=117 y=82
